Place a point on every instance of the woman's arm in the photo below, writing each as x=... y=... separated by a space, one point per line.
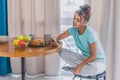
x=63 y=35
x=93 y=51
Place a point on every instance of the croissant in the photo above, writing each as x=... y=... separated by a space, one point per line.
x=37 y=42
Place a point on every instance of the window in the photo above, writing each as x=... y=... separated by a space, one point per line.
x=67 y=9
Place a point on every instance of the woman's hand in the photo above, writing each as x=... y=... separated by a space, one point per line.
x=54 y=44
x=77 y=70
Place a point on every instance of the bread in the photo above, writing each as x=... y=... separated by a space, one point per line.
x=37 y=42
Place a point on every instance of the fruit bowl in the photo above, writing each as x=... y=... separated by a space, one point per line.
x=21 y=41
x=4 y=39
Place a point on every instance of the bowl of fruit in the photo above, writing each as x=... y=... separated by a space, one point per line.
x=22 y=41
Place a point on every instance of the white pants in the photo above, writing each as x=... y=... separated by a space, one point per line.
x=74 y=58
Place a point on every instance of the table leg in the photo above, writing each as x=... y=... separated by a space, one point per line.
x=23 y=68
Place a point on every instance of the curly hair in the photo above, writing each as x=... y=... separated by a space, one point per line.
x=85 y=12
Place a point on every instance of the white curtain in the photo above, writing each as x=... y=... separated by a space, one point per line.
x=117 y=41
x=26 y=16
x=37 y=17
x=103 y=21
x=108 y=33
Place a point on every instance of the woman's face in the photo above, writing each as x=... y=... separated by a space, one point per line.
x=78 y=21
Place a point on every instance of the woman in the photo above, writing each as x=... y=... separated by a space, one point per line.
x=92 y=61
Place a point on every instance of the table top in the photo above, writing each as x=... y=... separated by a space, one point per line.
x=8 y=50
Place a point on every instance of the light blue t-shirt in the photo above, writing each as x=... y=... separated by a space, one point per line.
x=83 y=41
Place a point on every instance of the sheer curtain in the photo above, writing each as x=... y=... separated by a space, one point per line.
x=37 y=17
x=26 y=16
x=105 y=21
x=117 y=41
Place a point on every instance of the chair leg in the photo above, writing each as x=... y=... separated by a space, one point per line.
x=80 y=78
x=74 y=78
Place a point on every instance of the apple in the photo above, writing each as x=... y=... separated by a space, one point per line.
x=20 y=37
x=27 y=38
x=16 y=42
x=22 y=43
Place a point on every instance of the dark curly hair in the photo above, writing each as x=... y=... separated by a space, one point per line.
x=85 y=12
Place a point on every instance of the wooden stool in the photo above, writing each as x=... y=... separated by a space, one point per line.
x=96 y=77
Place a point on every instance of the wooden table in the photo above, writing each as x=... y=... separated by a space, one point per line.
x=8 y=50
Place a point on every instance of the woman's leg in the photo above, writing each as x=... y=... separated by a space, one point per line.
x=93 y=68
x=70 y=57
x=73 y=59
